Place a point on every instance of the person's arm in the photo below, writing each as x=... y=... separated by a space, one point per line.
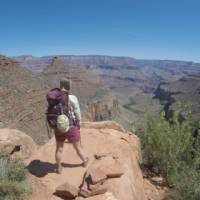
x=76 y=109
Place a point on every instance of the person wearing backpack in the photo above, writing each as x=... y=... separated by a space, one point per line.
x=64 y=116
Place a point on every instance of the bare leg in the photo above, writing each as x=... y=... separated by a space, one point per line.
x=80 y=153
x=58 y=155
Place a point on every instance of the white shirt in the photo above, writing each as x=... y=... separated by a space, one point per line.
x=74 y=108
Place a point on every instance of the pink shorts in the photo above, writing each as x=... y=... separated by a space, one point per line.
x=72 y=135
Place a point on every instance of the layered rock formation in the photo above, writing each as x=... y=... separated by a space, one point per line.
x=22 y=99
x=103 y=110
x=124 y=77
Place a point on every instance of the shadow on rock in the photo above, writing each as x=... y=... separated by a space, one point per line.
x=41 y=169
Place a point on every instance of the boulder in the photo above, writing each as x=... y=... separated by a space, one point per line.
x=97 y=175
x=99 y=189
x=92 y=187
x=96 y=190
x=15 y=143
x=67 y=190
x=88 y=188
x=107 y=166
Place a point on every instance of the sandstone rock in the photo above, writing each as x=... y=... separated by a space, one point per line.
x=94 y=190
x=113 y=171
x=67 y=191
x=84 y=192
x=106 y=196
x=111 y=167
x=100 y=189
x=16 y=143
x=95 y=187
x=97 y=175
x=103 y=125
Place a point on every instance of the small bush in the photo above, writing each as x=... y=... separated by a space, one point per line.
x=13 y=180
x=170 y=149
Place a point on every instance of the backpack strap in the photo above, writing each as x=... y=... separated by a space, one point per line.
x=65 y=107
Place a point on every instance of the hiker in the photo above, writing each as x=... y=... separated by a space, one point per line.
x=72 y=111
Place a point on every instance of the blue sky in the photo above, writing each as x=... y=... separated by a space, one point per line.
x=152 y=29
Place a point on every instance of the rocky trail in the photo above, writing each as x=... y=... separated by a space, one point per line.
x=113 y=172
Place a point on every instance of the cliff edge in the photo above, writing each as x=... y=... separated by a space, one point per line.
x=113 y=169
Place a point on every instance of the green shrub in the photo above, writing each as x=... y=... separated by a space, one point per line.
x=169 y=148
x=186 y=184
x=13 y=180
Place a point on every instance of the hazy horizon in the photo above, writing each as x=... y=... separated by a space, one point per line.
x=150 y=59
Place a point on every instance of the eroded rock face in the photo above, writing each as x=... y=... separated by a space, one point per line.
x=106 y=109
x=106 y=146
x=16 y=143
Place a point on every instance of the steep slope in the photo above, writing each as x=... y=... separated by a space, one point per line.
x=107 y=139
x=22 y=102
